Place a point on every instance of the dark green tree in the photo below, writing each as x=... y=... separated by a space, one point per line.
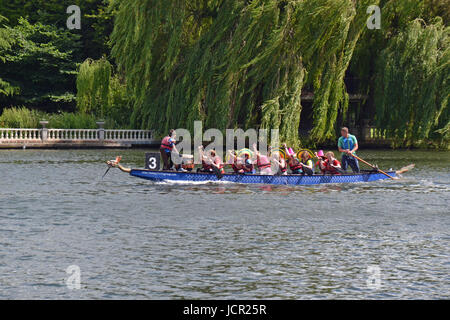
x=39 y=62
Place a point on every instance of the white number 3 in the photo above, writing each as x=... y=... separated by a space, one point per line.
x=152 y=163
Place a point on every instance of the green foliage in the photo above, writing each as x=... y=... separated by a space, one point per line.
x=413 y=84
x=21 y=117
x=96 y=20
x=120 y=106
x=39 y=61
x=68 y=120
x=6 y=39
x=237 y=63
x=102 y=94
x=93 y=86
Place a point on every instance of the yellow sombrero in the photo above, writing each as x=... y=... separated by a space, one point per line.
x=299 y=154
x=280 y=151
x=245 y=151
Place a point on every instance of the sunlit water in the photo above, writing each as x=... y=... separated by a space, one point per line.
x=135 y=239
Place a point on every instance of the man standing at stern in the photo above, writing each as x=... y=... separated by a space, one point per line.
x=347 y=145
x=167 y=145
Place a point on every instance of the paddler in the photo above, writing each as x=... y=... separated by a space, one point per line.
x=166 y=148
x=332 y=165
x=248 y=168
x=307 y=163
x=262 y=162
x=294 y=164
x=236 y=162
x=205 y=160
x=347 y=145
x=280 y=162
x=320 y=164
x=216 y=161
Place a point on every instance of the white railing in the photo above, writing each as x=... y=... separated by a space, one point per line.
x=54 y=135
x=72 y=134
x=128 y=135
x=20 y=134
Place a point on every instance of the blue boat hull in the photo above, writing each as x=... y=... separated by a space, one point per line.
x=258 y=179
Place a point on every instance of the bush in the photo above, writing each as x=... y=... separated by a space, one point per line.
x=21 y=117
x=68 y=120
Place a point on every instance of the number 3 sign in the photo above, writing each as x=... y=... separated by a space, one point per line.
x=153 y=161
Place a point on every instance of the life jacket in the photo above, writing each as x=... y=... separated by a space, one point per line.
x=295 y=164
x=236 y=167
x=306 y=163
x=166 y=144
x=329 y=168
x=219 y=162
x=206 y=166
x=263 y=162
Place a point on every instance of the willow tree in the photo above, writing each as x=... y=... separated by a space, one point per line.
x=413 y=84
x=102 y=92
x=237 y=63
x=93 y=81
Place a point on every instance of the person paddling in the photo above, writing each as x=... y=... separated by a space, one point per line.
x=320 y=164
x=262 y=162
x=166 y=148
x=280 y=162
x=237 y=163
x=307 y=163
x=216 y=161
x=294 y=163
x=332 y=165
x=248 y=167
x=205 y=161
x=347 y=145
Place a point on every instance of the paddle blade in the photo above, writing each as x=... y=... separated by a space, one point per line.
x=307 y=170
x=106 y=172
x=218 y=173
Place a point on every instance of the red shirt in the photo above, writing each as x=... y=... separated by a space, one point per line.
x=329 y=168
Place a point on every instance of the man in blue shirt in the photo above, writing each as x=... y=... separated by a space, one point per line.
x=348 y=145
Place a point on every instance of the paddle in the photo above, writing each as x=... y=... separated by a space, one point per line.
x=217 y=172
x=109 y=167
x=338 y=169
x=307 y=170
x=370 y=165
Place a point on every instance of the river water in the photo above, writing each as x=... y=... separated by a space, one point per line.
x=134 y=239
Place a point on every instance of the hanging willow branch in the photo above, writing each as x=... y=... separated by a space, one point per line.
x=413 y=84
x=237 y=63
x=93 y=83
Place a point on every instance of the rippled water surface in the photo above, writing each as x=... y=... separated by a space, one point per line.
x=135 y=239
